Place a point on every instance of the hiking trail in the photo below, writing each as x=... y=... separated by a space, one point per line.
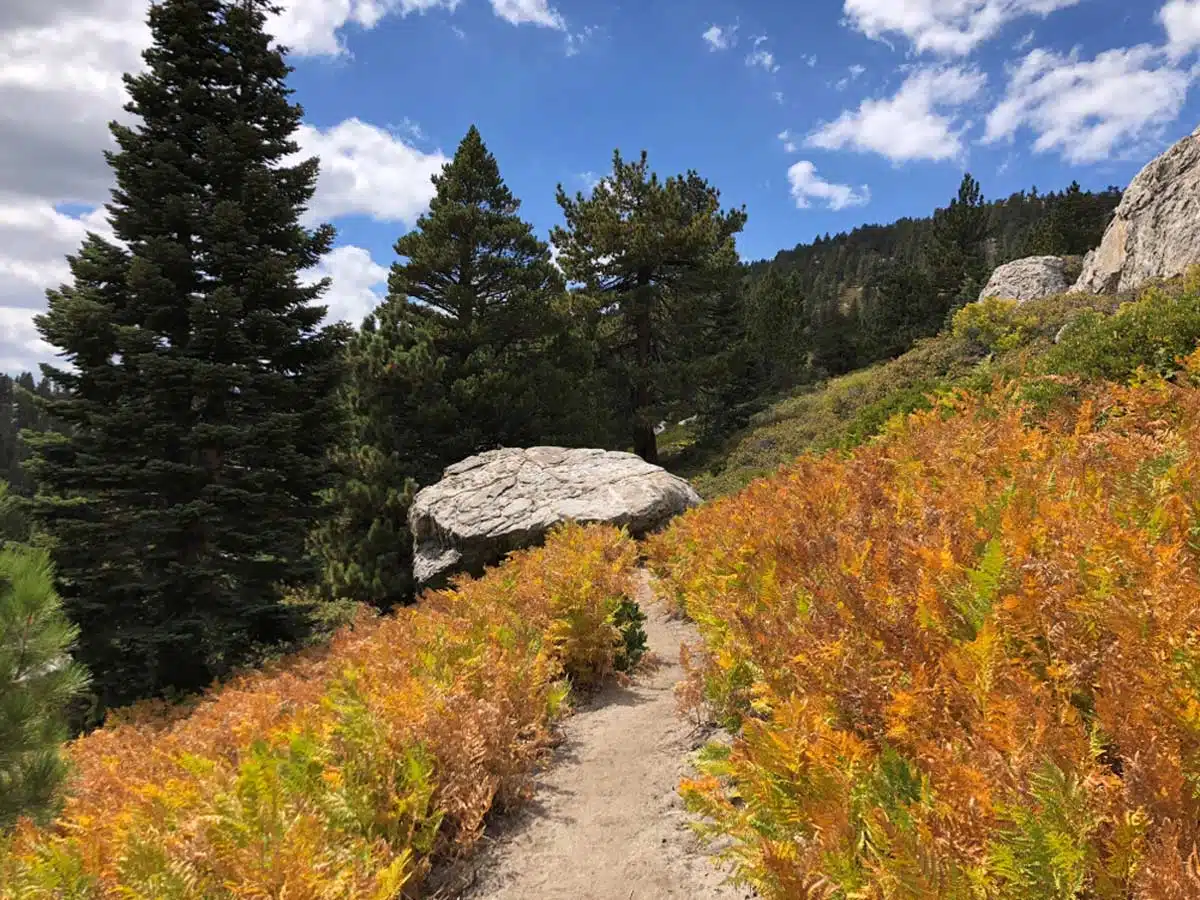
x=606 y=821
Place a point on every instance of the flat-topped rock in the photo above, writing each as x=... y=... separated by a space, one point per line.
x=491 y=504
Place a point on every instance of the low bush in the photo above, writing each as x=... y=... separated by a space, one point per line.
x=964 y=662
x=1150 y=332
x=343 y=771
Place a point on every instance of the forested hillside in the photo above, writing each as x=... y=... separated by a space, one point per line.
x=847 y=301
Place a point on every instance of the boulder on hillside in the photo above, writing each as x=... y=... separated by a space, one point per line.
x=503 y=500
x=1155 y=231
x=1030 y=278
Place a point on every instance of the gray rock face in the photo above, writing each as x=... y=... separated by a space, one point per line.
x=1155 y=232
x=1028 y=279
x=502 y=500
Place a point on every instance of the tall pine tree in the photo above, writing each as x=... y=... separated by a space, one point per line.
x=474 y=348
x=202 y=400
x=957 y=251
x=654 y=256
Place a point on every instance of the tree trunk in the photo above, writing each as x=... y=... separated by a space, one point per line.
x=645 y=442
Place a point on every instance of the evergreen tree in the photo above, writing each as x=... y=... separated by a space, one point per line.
x=901 y=305
x=731 y=377
x=38 y=681
x=472 y=349
x=653 y=256
x=958 y=245
x=202 y=403
x=14 y=525
x=1074 y=222
x=19 y=410
x=778 y=323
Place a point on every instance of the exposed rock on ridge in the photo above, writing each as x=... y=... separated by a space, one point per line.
x=1155 y=231
x=502 y=500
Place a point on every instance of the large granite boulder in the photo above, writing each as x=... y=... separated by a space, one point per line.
x=1155 y=231
x=1030 y=278
x=502 y=500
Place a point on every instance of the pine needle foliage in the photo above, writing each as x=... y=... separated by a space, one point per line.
x=38 y=681
x=963 y=662
x=343 y=771
x=198 y=404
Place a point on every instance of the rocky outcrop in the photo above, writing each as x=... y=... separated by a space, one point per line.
x=502 y=500
x=1155 y=231
x=1028 y=279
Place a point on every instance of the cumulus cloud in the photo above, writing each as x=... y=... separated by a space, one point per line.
x=789 y=141
x=917 y=122
x=366 y=170
x=315 y=27
x=35 y=240
x=1089 y=110
x=948 y=27
x=807 y=185
x=60 y=84
x=1181 y=19
x=529 y=12
x=357 y=284
x=720 y=37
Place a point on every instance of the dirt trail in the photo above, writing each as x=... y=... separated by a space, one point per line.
x=606 y=821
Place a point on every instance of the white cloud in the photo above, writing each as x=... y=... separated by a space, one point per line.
x=34 y=242
x=577 y=40
x=764 y=59
x=314 y=27
x=1181 y=19
x=807 y=185
x=1088 y=110
x=950 y=27
x=356 y=280
x=1025 y=41
x=855 y=72
x=721 y=38
x=789 y=141
x=912 y=124
x=529 y=12
x=366 y=170
x=60 y=84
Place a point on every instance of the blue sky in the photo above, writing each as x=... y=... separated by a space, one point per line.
x=818 y=116
x=646 y=78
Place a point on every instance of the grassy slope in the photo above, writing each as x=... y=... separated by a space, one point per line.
x=846 y=411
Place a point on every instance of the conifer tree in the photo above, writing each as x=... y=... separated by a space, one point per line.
x=654 y=255
x=958 y=252
x=472 y=349
x=201 y=404
x=38 y=680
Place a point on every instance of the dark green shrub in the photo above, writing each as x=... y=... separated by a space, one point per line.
x=1153 y=331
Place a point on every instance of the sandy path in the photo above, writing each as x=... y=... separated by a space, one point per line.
x=606 y=821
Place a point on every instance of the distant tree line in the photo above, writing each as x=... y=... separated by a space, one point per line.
x=846 y=301
x=217 y=460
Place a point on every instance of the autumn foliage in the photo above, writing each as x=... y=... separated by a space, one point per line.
x=965 y=661
x=340 y=773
